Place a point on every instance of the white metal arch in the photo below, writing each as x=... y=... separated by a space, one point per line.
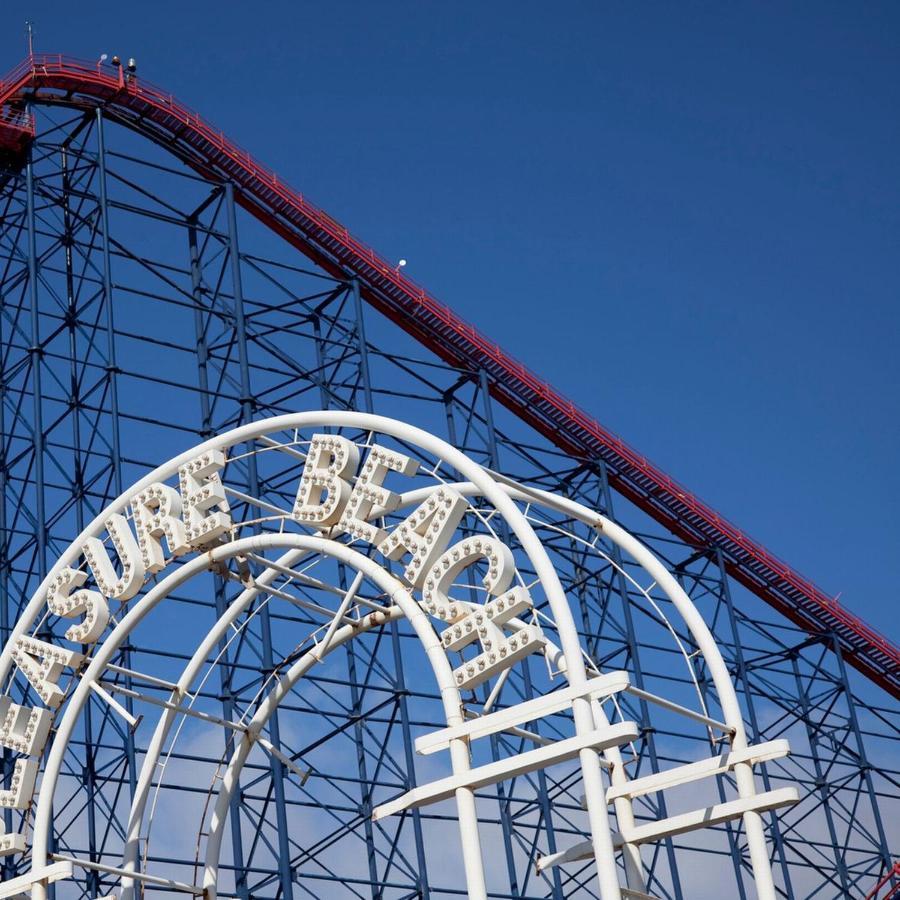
x=400 y=597
x=601 y=834
x=502 y=496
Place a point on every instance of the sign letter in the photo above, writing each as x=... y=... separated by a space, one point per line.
x=23 y=729
x=42 y=664
x=92 y=604
x=111 y=584
x=330 y=462
x=425 y=533
x=157 y=515
x=202 y=491
x=481 y=623
x=368 y=492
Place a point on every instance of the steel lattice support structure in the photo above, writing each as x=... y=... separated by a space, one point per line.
x=133 y=281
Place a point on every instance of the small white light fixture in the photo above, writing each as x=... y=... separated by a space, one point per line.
x=401 y=263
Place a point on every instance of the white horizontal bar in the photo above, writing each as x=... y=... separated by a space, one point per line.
x=284 y=448
x=301 y=578
x=45 y=875
x=539 y=739
x=180 y=886
x=528 y=711
x=712 y=815
x=576 y=853
x=255 y=501
x=308 y=605
x=674 y=825
x=523 y=763
x=681 y=710
x=302 y=774
x=296 y=576
x=705 y=768
x=114 y=704
x=141 y=676
x=174 y=707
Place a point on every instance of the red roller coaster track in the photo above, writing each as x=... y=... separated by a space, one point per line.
x=60 y=80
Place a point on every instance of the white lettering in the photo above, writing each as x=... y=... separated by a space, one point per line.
x=11 y=843
x=42 y=664
x=23 y=729
x=368 y=492
x=21 y=785
x=330 y=462
x=61 y=602
x=481 y=623
x=425 y=533
x=157 y=515
x=127 y=584
x=202 y=491
x=445 y=571
x=499 y=654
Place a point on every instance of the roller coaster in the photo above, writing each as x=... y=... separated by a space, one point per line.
x=161 y=290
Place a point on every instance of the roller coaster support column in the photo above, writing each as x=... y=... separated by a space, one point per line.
x=363 y=346
x=35 y=353
x=227 y=673
x=90 y=766
x=7 y=870
x=543 y=788
x=112 y=386
x=247 y=410
x=821 y=781
x=865 y=766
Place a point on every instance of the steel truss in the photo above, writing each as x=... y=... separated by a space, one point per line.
x=144 y=311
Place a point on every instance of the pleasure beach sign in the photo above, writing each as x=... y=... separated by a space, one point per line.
x=450 y=547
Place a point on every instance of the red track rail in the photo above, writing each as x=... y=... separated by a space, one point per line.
x=159 y=116
x=892 y=890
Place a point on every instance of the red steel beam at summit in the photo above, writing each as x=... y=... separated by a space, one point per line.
x=157 y=115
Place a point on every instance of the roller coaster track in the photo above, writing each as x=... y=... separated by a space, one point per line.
x=157 y=115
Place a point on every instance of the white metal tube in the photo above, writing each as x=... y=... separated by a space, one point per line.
x=743 y=773
x=322 y=649
x=753 y=825
x=167 y=883
x=406 y=606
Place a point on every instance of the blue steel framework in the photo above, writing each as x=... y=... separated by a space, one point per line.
x=132 y=288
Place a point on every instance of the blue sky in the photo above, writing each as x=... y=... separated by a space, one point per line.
x=686 y=216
